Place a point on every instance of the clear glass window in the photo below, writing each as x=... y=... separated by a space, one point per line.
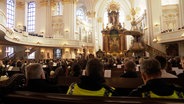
x=80 y=13
x=58 y=9
x=10 y=13
x=31 y=17
x=169 y=2
x=32 y=55
x=9 y=51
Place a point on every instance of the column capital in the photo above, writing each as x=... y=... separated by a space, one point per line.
x=20 y=4
x=69 y=1
x=43 y=2
x=91 y=14
x=3 y=1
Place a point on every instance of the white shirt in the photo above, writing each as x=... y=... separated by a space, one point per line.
x=167 y=75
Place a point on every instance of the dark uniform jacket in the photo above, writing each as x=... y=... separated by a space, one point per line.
x=159 y=88
x=181 y=76
x=41 y=85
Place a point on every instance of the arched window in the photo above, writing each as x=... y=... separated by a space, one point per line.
x=81 y=14
x=57 y=53
x=10 y=13
x=58 y=9
x=31 y=17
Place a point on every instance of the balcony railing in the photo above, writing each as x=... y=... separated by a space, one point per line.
x=171 y=36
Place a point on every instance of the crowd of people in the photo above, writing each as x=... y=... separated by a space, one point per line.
x=42 y=75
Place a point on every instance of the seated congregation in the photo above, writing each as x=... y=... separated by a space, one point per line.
x=70 y=78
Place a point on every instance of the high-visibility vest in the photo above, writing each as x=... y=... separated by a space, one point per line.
x=74 y=89
x=175 y=95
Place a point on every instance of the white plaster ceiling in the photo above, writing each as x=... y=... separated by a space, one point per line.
x=100 y=6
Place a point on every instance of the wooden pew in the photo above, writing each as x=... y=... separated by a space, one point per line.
x=124 y=82
x=122 y=85
x=115 y=82
x=116 y=73
x=118 y=82
x=25 y=97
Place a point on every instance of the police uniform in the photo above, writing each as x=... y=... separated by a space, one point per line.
x=90 y=87
x=158 y=88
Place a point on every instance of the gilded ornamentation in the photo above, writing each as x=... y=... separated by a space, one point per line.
x=113 y=42
x=170 y=17
x=99 y=20
x=43 y=3
x=113 y=6
x=133 y=33
x=91 y=14
x=69 y=1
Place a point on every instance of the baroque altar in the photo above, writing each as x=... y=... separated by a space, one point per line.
x=114 y=41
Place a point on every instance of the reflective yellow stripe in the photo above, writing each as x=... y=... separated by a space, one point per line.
x=78 y=91
x=153 y=95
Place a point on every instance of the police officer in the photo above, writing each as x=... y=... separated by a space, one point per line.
x=93 y=84
x=154 y=86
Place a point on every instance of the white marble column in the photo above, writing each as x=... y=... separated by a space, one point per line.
x=69 y=13
x=153 y=13
x=149 y=22
x=48 y=19
x=94 y=32
x=43 y=23
x=181 y=13
x=153 y=17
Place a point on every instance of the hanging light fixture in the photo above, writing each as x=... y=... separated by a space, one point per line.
x=155 y=40
x=27 y=50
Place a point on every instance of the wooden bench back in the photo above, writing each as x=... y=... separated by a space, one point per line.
x=114 y=82
x=25 y=97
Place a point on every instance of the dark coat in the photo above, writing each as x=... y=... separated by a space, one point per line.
x=129 y=74
x=158 y=87
x=90 y=83
x=41 y=85
x=181 y=75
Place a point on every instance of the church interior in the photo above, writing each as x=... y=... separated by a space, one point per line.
x=62 y=31
x=67 y=28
